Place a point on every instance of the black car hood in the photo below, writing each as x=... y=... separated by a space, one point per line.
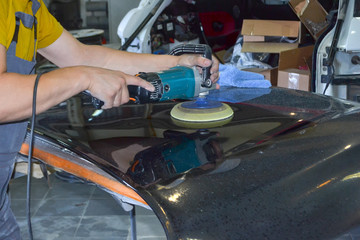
x=285 y=167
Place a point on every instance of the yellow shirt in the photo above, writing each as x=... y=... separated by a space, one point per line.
x=48 y=28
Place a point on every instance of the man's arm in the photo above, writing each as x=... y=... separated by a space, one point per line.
x=16 y=90
x=103 y=71
x=67 y=51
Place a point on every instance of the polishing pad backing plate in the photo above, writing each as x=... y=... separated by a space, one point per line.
x=201 y=115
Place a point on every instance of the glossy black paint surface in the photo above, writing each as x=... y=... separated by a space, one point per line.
x=286 y=166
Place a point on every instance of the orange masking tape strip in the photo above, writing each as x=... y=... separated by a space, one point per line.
x=82 y=172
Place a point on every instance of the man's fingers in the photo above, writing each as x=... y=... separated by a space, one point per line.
x=199 y=61
x=121 y=98
x=204 y=62
x=214 y=70
x=215 y=66
x=190 y=60
x=137 y=81
x=215 y=77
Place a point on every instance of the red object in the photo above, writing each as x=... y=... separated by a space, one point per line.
x=103 y=40
x=304 y=67
x=219 y=25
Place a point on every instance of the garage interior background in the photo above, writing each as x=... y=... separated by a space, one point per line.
x=108 y=14
x=222 y=24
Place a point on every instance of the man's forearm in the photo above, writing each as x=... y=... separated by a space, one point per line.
x=67 y=51
x=16 y=92
x=130 y=63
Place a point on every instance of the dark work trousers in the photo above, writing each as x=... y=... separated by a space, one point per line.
x=12 y=135
x=9 y=228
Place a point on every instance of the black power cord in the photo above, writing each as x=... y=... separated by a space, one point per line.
x=207 y=42
x=28 y=186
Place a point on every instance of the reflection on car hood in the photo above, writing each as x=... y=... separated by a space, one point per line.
x=284 y=167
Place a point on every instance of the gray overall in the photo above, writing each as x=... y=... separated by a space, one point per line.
x=12 y=134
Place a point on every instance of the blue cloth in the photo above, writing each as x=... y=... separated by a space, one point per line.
x=234 y=77
x=236 y=95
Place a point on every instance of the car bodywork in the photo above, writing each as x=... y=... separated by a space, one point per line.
x=285 y=167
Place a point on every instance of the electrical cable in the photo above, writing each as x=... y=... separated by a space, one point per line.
x=207 y=42
x=28 y=186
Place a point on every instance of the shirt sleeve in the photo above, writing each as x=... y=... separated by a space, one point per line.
x=49 y=28
x=3 y=23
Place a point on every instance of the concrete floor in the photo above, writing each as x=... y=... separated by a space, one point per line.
x=76 y=211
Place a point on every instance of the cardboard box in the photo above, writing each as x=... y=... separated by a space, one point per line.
x=255 y=27
x=223 y=56
x=296 y=58
x=295 y=68
x=248 y=38
x=256 y=31
x=294 y=79
x=311 y=14
x=269 y=74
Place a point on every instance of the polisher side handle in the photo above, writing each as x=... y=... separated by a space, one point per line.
x=97 y=103
x=202 y=49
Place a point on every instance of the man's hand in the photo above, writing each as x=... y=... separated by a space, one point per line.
x=189 y=60
x=111 y=86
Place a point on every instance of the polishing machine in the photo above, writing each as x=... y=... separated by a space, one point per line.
x=182 y=83
x=176 y=83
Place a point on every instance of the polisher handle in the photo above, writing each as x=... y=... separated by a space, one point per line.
x=202 y=49
x=97 y=103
